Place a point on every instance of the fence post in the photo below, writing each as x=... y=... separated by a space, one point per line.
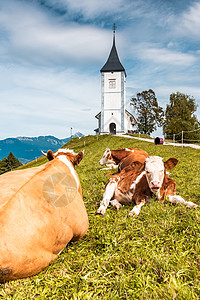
x=173 y=138
x=182 y=139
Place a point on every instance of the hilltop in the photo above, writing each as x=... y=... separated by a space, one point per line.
x=153 y=256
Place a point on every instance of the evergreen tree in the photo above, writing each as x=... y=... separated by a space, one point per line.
x=9 y=163
x=149 y=113
x=179 y=116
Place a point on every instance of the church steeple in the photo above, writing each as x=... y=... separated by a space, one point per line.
x=113 y=63
x=113 y=117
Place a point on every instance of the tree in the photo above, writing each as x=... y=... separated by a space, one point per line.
x=9 y=163
x=149 y=113
x=179 y=116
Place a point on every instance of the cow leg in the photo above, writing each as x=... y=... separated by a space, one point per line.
x=136 y=209
x=107 y=196
x=109 y=166
x=178 y=199
x=116 y=204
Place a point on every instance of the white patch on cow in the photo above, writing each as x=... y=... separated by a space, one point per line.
x=107 y=196
x=116 y=204
x=112 y=166
x=131 y=150
x=105 y=160
x=137 y=208
x=178 y=199
x=154 y=168
x=65 y=151
x=133 y=185
x=158 y=196
x=64 y=159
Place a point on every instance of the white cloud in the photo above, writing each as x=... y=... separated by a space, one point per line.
x=44 y=100
x=164 y=56
x=190 y=20
x=187 y=23
x=92 y=9
x=32 y=36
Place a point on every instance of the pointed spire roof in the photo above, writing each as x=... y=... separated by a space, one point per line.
x=113 y=63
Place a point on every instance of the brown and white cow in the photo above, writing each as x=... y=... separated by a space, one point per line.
x=41 y=210
x=129 y=161
x=111 y=158
x=137 y=184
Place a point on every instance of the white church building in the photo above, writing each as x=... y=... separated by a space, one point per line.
x=113 y=117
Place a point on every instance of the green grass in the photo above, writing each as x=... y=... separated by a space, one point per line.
x=141 y=135
x=153 y=256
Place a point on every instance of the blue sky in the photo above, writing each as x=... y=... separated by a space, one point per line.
x=51 y=53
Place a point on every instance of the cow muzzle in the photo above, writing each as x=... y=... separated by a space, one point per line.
x=155 y=186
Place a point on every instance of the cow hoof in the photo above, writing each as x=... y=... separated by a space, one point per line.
x=101 y=210
x=118 y=206
x=132 y=214
x=192 y=205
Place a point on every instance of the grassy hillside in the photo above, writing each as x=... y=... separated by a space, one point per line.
x=153 y=256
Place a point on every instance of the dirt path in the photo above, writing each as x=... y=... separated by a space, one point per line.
x=165 y=143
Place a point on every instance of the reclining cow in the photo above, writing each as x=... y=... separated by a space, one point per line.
x=111 y=158
x=41 y=210
x=129 y=161
x=139 y=182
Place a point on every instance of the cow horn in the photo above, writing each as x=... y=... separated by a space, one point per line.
x=45 y=154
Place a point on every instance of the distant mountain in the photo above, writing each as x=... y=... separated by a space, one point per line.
x=28 y=148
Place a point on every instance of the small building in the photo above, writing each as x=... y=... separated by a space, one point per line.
x=114 y=117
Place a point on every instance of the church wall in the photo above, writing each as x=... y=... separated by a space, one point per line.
x=127 y=125
x=112 y=117
x=109 y=77
x=112 y=101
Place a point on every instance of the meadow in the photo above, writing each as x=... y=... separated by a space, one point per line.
x=153 y=256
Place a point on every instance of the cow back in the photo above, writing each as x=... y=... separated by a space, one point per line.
x=120 y=154
x=41 y=214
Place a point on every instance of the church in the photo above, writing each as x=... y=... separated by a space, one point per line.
x=114 y=117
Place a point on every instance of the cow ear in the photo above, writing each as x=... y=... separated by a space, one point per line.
x=50 y=155
x=137 y=166
x=170 y=163
x=78 y=158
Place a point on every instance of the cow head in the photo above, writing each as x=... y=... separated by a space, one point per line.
x=73 y=157
x=155 y=171
x=106 y=158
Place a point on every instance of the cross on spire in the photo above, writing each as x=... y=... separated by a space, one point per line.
x=114 y=28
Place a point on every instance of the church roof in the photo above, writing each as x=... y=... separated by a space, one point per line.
x=133 y=120
x=113 y=63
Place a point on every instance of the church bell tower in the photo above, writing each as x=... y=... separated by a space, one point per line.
x=113 y=116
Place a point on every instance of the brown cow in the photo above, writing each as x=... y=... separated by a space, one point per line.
x=41 y=210
x=111 y=158
x=137 y=183
x=129 y=161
